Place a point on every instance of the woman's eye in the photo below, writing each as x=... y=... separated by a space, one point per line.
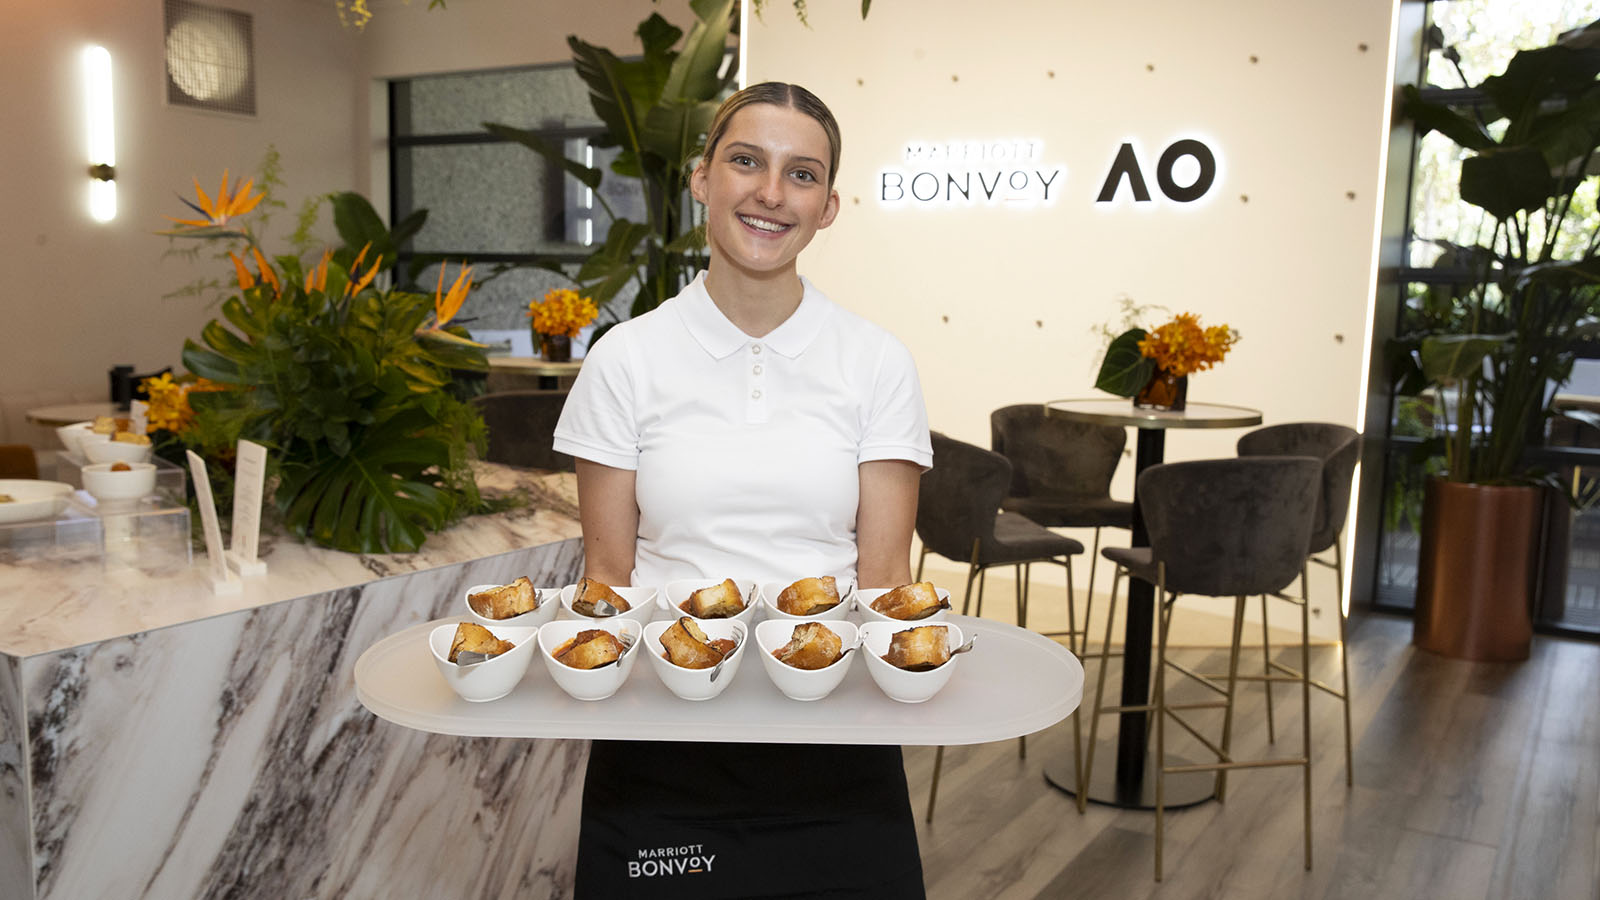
x=742 y=160
x=804 y=175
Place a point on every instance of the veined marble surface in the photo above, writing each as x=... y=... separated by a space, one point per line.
x=50 y=607
x=223 y=754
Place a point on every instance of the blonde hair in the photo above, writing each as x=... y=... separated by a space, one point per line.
x=778 y=93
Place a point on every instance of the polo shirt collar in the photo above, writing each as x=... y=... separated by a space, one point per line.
x=721 y=338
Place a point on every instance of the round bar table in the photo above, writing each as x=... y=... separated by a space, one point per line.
x=1131 y=785
x=69 y=413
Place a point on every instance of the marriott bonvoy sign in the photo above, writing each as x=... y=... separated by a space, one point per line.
x=1016 y=172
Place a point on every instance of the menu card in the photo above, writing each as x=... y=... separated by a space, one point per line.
x=222 y=580
x=249 y=476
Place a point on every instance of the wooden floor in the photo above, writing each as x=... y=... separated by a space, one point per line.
x=1471 y=781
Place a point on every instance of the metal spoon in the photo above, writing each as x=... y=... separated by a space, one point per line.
x=716 y=670
x=965 y=647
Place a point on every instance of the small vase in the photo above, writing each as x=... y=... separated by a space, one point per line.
x=555 y=347
x=1165 y=391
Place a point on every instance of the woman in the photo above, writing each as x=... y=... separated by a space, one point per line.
x=749 y=428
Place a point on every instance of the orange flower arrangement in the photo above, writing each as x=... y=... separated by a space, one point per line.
x=561 y=312
x=169 y=408
x=1182 y=346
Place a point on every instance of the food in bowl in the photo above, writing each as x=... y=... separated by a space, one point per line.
x=811 y=646
x=909 y=602
x=687 y=646
x=719 y=601
x=129 y=437
x=590 y=649
x=589 y=590
x=104 y=425
x=120 y=467
x=809 y=596
x=6 y=498
x=504 y=602
x=473 y=638
x=921 y=649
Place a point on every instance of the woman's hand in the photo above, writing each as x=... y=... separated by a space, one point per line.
x=885 y=519
x=609 y=513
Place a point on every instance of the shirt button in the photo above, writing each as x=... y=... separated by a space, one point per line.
x=756 y=349
x=756 y=370
x=755 y=395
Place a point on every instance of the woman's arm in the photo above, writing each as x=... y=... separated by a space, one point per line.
x=885 y=519
x=609 y=513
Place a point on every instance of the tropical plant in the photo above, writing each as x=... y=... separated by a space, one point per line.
x=1179 y=347
x=344 y=378
x=657 y=110
x=1494 y=346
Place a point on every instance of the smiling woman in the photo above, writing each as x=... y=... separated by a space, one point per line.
x=750 y=428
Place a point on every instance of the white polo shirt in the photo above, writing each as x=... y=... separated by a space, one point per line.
x=746 y=449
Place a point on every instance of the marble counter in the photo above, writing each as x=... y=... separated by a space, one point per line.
x=159 y=741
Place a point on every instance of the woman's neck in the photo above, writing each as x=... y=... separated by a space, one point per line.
x=756 y=306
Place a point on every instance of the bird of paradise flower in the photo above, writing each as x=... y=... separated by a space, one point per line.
x=445 y=306
x=217 y=214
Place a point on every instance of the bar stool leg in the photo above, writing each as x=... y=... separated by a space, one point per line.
x=1099 y=693
x=1088 y=599
x=1233 y=681
x=1073 y=633
x=921 y=558
x=1344 y=664
x=1266 y=668
x=1161 y=716
x=1024 y=573
x=933 y=789
x=1305 y=712
x=972 y=572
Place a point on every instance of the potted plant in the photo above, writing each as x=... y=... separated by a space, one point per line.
x=1493 y=348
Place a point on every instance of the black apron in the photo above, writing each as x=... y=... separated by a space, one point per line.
x=666 y=820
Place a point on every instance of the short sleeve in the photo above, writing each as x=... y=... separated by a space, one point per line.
x=896 y=425
x=598 y=422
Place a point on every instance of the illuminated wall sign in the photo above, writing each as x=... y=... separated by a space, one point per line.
x=1013 y=173
x=971 y=173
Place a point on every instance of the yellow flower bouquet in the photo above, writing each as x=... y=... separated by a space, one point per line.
x=1150 y=366
x=557 y=319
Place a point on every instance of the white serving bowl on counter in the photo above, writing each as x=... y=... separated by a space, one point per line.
x=493 y=678
x=32 y=499
x=641 y=604
x=73 y=437
x=676 y=593
x=549 y=602
x=696 y=684
x=138 y=480
x=116 y=451
x=590 y=684
x=769 y=603
x=900 y=684
x=803 y=684
x=865 y=596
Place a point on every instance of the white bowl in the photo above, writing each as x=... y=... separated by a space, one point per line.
x=590 y=684
x=493 y=678
x=32 y=499
x=69 y=435
x=696 y=684
x=803 y=684
x=116 y=451
x=897 y=683
x=865 y=596
x=104 y=484
x=769 y=603
x=641 y=604
x=549 y=602
x=676 y=593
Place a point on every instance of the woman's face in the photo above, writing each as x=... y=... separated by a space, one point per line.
x=765 y=189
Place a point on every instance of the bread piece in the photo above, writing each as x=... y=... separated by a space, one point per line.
x=104 y=425
x=720 y=601
x=812 y=645
x=919 y=649
x=590 y=649
x=120 y=466
x=910 y=601
x=588 y=591
x=474 y=638
x=513 y=599
x=129 y=437
x=688 y=646
x=809 y=596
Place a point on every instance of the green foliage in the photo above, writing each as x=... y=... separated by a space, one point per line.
x=350 y=392
x=1125 y=370
x=656 y=109
x=1490 y=350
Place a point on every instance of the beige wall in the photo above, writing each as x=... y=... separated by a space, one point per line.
x=999 y=304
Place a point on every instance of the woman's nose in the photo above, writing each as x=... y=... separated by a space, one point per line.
x=770 y=192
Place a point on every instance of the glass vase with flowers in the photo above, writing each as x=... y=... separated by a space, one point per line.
x=1153 y=366
x=557 y=319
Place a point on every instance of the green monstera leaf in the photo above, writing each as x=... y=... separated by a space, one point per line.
x=1125 y=370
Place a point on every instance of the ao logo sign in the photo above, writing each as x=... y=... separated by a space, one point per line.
x=1015 y=173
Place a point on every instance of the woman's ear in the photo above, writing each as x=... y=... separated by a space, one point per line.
x=830 y=210
x=697 y=181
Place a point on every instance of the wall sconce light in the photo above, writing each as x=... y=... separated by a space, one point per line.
x=101 y=122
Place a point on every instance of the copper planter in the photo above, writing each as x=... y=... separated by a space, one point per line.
x=1478 y=570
